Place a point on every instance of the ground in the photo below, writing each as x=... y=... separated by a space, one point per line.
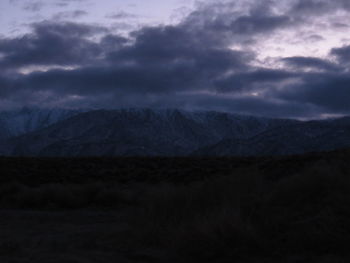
x=281 y=209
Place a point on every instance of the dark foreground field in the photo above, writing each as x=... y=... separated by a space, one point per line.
x=287 y=209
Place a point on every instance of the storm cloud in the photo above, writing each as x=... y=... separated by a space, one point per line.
x=211 y=60
x=50 y=44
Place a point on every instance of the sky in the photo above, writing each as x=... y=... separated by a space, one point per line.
x=272 y=58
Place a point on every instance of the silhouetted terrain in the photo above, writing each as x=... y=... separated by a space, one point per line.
x=263 y=209
x=149 y=132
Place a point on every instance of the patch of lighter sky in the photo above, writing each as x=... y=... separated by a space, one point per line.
x=26 y=70
x=15 y=20
x=289 y=43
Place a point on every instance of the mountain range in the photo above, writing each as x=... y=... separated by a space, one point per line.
x=168 y=132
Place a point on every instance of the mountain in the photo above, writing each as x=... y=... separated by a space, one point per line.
x=138 y=132
x=312 y=136
x=146 y=132
x=25 y=120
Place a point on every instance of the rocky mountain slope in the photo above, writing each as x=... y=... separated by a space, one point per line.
x=146 y=132
x=313 y=136
x=137 y=132
x=25 y=120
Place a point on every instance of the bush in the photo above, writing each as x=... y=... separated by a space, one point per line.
x=62 y=196
x=199 y=221
x=309 y=212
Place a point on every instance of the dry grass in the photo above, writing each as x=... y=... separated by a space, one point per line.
x=290 y=209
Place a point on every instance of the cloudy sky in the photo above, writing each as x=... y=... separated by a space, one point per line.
x=274 y=58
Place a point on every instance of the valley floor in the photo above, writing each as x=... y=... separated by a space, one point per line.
x=74 y=236
x=285 y=209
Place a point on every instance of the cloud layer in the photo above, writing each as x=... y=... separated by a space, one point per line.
x=216 y=58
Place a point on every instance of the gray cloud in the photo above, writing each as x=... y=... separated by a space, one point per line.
x=69 y=15
x=330 y=91
x=314 y=38
x=256 y=80
x=314 y=7
x=51 y=44
x=34 y=6
x=310 y=63
x=319 y=7
x=66 y=3
x=190 y=65
x=121 y=15
x=342 y=54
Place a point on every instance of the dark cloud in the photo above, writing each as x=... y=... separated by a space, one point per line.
x=223 y=23
x=314 y=38
x=311 y=7
x=176 y=46
x=147 y=66
x=343 y=3
x=255 y=25
x=191 y=65
x=257 y=79
x=67 y=29
x=319 y=7
x=310 y=63
x=71 y=89
x=340 y=25
x=254 y=106
x=342 y=54
x=51 y=44
x=330 y=91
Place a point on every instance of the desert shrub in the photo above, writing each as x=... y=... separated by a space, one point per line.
x=197 y=210
x=200 y=221
x=9 y=189
x=309 y=211
x=223 y=234
x=112 y=196
x=10 y=248
x=47 y=196
x=63 y=196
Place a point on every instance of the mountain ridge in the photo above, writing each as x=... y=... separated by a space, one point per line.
x=173 y=132
x=25 y=120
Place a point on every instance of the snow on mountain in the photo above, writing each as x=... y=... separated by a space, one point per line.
x=138 y=132
x=169 y=132
x=25 y=120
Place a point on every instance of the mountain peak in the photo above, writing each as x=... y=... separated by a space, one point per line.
x=163 y=132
